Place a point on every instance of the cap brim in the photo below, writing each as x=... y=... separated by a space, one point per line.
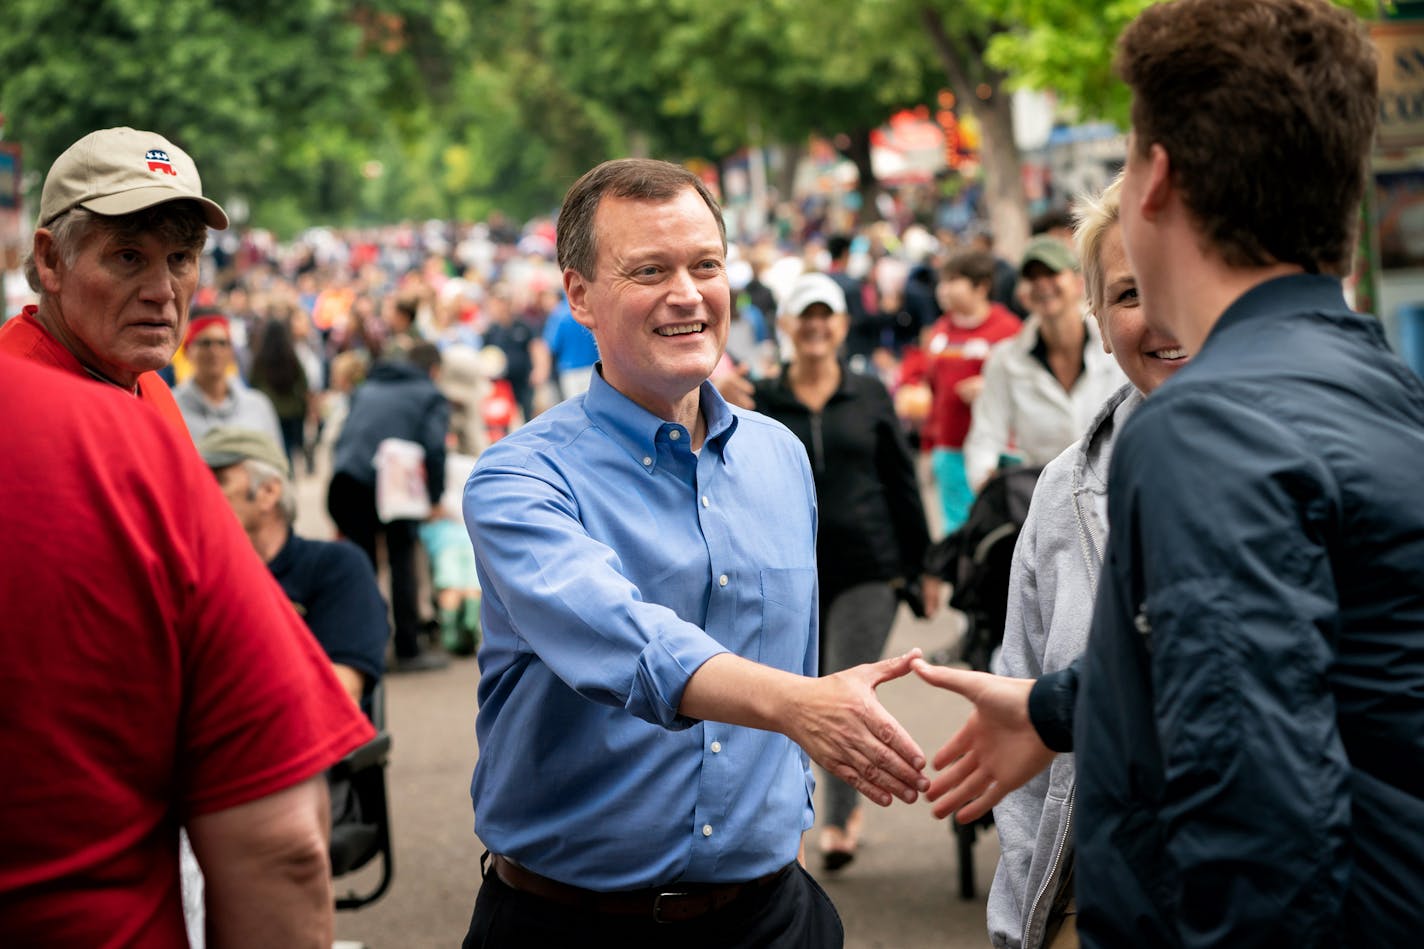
x=222 y=459
x=1023 y=269
x=832 y=305
x=138 y=199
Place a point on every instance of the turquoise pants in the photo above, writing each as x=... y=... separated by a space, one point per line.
x=955 y=495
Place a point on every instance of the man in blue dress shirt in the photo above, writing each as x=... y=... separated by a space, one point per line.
x=648 y=707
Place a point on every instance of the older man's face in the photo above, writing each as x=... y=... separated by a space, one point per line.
x=123 y=304
x=237 y=487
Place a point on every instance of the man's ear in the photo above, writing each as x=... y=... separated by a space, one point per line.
x=48 y=262
x=269 y=494
x=576 y=287
x=1158 y=192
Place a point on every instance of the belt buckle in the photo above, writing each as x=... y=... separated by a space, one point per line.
x=658 y=904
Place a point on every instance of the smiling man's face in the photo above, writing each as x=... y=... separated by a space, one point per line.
x=659 y=302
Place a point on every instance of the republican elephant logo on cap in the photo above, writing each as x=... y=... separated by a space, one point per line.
x=158 y=161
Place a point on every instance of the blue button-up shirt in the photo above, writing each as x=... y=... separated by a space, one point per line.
x=613 y=563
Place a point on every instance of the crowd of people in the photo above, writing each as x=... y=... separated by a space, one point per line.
x=667 y=485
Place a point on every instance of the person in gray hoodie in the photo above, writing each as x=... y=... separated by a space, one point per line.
x=1053 y=585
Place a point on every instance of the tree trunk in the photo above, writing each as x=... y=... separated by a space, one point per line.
x=858 y=151
x=1004 y=198
x=791 y=156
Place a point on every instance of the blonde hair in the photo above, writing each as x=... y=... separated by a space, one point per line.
x=1093 y=217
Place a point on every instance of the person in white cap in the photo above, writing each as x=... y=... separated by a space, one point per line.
x=871 y=531
x=114 y=260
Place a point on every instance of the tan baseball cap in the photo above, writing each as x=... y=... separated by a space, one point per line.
x=122 y=170
x=228 y=445
x=1051 y=253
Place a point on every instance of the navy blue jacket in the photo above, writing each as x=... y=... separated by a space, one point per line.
x=333 y=589
x=397 y=400
x=1250 y=723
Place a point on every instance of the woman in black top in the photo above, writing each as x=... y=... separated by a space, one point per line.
x=872 y=531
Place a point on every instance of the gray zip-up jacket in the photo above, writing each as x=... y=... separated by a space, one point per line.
x=1051 y=591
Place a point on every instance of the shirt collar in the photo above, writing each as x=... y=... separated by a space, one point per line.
x=639 y=431
x=1293 y=293
x=61 y=352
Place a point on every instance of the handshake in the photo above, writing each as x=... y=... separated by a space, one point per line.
x=850 y=734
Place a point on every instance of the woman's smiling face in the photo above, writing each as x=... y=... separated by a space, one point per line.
x=1147 y=356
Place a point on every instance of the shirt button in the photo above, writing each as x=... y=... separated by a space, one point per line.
x=722 y=580
x=705 y=502
x=716 y=747
x=706 y=830
x=674 y=434
x=647 y=460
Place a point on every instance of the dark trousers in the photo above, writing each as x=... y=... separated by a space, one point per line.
x=795 y=913
x=293 y=439
x=352 y=505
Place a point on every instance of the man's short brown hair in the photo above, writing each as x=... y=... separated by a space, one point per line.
x=1267 y=113
x=976 y=266
x=642 y=179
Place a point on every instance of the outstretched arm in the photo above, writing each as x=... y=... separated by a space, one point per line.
x=997 y=749
x=837 y=719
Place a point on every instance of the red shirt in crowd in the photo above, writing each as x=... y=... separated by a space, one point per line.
x=955 y=353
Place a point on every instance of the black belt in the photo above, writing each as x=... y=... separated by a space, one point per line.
x=674 y=903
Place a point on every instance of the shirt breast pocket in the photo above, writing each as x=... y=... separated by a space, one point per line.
x=788 y=604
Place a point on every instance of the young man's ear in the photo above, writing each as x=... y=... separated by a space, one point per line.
x=1158 y=190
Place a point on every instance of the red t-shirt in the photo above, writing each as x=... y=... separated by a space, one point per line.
x=955 y=354
x=152 y=667
x=23 y=336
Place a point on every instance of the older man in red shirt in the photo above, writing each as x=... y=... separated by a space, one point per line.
x=115 y=259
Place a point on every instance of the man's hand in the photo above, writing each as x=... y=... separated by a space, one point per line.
x=839 y=721
x=995 y=752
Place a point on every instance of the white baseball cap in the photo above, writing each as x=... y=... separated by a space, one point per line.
x=812 y=288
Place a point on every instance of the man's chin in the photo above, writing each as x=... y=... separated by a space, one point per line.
x=150 y=359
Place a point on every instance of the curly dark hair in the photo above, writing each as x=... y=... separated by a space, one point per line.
x=1267 y=112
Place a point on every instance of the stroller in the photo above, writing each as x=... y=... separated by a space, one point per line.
x=977 y=559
